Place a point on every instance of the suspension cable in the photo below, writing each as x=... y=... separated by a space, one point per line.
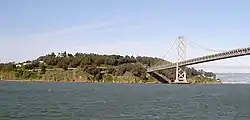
x=193 y=44
x=190 y=43
x=166 y=53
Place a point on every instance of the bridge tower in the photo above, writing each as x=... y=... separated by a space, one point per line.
x=181 y=56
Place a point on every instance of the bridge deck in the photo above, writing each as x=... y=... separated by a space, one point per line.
x=207 y=58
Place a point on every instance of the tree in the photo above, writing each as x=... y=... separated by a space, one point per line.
x=91 y=69
x=65 y=67
x=53 y=54
x=98 y=77
x=1 y=66
x=70 y=55
x=209 y=74
x=64 y=54
x=43 y=69
x=75 y=62
x=9 y=67
x=63 y=63
x=115 y=64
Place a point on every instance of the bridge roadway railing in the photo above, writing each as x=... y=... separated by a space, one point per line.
x=207 y=58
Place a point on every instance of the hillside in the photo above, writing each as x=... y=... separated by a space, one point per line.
x=89 y=68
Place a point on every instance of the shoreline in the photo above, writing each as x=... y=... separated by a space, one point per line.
x=102 y=82
x=78 y=81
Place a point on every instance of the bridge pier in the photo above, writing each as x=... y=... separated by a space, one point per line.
x=181 y=76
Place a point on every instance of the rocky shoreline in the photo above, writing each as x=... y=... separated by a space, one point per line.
x=85 y=81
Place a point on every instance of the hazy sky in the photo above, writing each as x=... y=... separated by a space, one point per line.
x=30 y=28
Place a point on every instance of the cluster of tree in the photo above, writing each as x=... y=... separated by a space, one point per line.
x=97 y=65
x=80 y=59
x=7 y=66
x=24 y=74
x=98 y=72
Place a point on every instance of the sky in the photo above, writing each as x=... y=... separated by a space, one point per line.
x=31 y=28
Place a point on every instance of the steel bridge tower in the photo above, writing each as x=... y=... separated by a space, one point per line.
x=181 y=76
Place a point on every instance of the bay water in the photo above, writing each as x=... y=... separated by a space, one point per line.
x=86 y=101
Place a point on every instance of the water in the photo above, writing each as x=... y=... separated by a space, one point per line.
x=81 y=101
x=234 y=78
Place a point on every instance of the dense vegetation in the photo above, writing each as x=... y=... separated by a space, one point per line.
x=92 y=67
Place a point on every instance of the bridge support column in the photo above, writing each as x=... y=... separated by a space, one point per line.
x=181 y=56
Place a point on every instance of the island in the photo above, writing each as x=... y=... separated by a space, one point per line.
x=94 y=68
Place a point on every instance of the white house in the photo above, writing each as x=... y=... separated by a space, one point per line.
x=18 y=65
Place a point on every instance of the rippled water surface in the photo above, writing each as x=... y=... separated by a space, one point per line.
x=81 y=101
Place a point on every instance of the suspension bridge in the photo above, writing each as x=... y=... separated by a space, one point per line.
x=181 y=63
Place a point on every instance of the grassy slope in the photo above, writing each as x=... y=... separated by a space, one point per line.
x=80 y=76
x=202 y=80
x=77 y=76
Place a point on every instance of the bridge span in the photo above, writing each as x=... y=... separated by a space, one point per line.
x=182 y=62
x=203 y=59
